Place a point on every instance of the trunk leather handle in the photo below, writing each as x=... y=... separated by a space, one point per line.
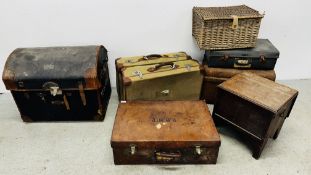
x=242 y=63
x=66 y=102
x=157 y=67
x=153 y=56
x=156 y=56
x=150 y=57
x=164 y=156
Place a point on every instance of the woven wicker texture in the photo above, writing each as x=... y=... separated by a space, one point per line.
x=225 y=27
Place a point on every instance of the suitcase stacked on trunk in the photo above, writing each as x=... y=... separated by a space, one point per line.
x=239 y=73
x=229 y=37
x=158 y=77
x=221 y=65
x=161 y=119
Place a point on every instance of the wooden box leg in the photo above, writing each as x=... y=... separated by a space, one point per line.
x=257 y=150
x=276 y=134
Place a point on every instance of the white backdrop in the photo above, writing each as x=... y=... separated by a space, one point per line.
x=138 y=27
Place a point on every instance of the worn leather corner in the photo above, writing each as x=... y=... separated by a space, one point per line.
x=127 y=81
x=26 y=118
x=119 y=66
x=8 y=79
x=91 y=79
x=202 y=69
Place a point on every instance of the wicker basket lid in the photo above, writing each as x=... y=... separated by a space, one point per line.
x=241 y=11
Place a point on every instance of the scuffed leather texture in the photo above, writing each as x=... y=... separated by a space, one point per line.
x=30 y=68
x=80 y=73
x=166 y=128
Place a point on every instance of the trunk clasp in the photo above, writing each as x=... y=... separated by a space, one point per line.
x=132 y=149
x=198 y=149
x=53 y=88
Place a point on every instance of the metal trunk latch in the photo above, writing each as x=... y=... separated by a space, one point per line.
x=188 y=67
x=53 y=88
x=165 y=92
x=138 y=73
x=82 y=94
x=198 y=149
x=132 y=149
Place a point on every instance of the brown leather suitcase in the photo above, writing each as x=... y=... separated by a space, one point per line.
x=59 y=83
x=255 y=106
x=164 y=132
x=215 y=76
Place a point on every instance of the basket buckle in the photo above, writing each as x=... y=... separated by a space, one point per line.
x=235 y=23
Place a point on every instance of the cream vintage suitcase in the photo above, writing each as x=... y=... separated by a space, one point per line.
x=181 y=80
x=125 y=62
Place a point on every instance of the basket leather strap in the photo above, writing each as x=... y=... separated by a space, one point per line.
x=235 y=23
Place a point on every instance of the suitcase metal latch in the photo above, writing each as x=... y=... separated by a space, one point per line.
x=188 y=67
x=243 y=62
x=53 y=88
x=138 y=73
x=198 y=149
x=132 y=149
x=165 y=92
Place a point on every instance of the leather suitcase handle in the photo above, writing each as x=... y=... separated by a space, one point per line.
x=150 y=57
x=164 y=156
x=242 y=63
x=157 y=67
x=153 y=56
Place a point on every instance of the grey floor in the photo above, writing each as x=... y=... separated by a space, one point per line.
x=84 y=147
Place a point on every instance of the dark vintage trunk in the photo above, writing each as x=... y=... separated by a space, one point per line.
x=215 y=76
x=164 y=132
x=255 y=106
x=263 y=56
x=59 y=83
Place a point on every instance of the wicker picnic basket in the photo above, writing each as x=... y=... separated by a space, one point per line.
x=225 y=27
